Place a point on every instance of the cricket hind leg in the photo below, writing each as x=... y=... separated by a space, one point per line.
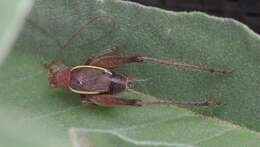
x=107 y=100
x=111 y=101
x=95 y=56
x=184 y=65
x=111 y=62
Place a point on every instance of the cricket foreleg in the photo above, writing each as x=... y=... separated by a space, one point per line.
x=111 y=101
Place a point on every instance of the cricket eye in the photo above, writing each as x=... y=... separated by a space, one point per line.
x=52 y=80
x=130 y=84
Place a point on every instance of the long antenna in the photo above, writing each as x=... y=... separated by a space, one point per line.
x=81 y=30
x=62 y=47
x=43 y=31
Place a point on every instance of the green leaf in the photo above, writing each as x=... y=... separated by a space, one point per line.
x=12 y=14
x=34 y=114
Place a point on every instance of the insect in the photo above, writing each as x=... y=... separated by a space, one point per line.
x=96 y=82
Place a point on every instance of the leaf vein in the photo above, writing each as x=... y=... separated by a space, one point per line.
x=73 y=137
x=213 y=136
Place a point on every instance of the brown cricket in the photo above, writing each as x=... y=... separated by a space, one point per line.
x=96 y=82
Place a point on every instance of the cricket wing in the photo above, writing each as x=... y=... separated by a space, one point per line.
x=89 y=81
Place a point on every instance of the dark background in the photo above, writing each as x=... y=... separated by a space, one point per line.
x=246 y=11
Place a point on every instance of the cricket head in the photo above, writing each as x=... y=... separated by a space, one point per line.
x=59 y=75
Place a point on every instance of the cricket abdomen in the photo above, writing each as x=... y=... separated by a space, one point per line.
x=90 y=80
x=119 y=83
